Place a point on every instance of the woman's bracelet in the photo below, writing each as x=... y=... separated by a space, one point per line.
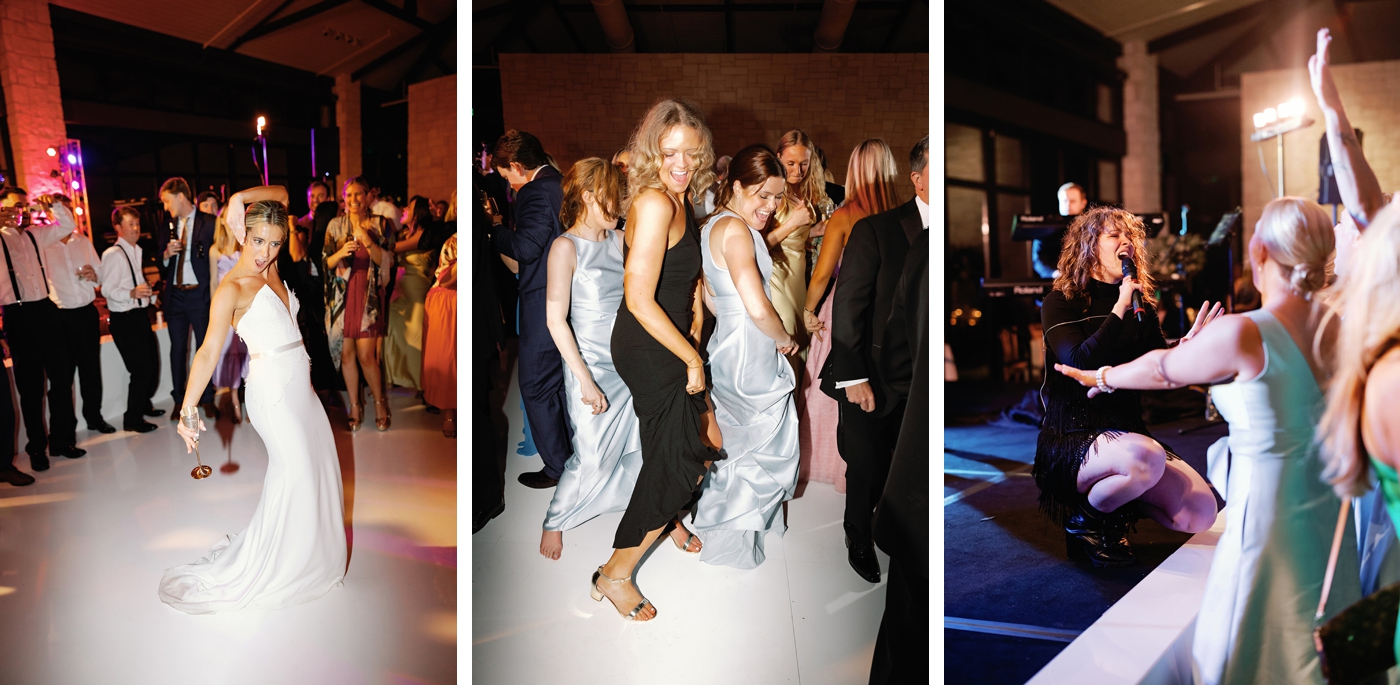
x=1098 y=380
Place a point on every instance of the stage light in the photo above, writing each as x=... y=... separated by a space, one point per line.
x=75 y=185
x=78 y=211
x=72 y=158
x=1259 y=120
x=51 y=152
x=262 y=122
x=1270 y=115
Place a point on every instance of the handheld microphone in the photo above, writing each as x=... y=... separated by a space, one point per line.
x=1130 y=269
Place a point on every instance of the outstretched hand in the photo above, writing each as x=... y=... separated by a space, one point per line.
x=1088 y=379
x=1320 y=74
x=1204 y=315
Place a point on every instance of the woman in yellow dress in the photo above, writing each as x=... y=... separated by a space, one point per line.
x=804 y=209
x=403 y=346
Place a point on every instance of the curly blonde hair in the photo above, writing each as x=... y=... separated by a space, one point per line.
x=1080 y=254
x=644 y=168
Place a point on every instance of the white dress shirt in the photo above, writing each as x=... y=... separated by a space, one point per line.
x=30 y=266
x=64 y=260
x=389 y=211
x=121 y=267
x=923 y=216
x=184 y=230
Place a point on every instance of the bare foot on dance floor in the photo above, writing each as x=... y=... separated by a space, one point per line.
x=552 y=544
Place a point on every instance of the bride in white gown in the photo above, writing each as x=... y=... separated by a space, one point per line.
x=294 y=549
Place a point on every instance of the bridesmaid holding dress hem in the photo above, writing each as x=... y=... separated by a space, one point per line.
x=581 y=302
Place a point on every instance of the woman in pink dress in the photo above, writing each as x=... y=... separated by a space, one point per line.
x=870 y=189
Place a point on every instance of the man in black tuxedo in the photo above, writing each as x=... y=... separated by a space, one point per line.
x=184 y=266
x=521 y=160
x=901 y=522
x=869 y=411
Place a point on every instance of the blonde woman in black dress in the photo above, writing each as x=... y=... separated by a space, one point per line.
x=655 y=343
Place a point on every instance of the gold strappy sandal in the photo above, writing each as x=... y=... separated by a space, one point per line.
x=598 y=595
x=356 y=415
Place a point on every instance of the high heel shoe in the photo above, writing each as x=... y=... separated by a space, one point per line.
x=1099 y=538
x=354 y=415
x=598 y=595
x=381 y=416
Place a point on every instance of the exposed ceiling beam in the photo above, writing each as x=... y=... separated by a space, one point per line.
x=524 y=14
x=876 y=5
x=568 y=25
x=729 y=25
x=894 y=30
x=442 y=28
x=255 y=14
x=431 y=53
x=1260 y=34
x=398 y=13
x=292 y=19
x=1230 y=19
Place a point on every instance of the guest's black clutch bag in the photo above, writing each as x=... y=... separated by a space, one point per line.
x=1359 y=642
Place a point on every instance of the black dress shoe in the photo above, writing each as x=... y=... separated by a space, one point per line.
x=39 y=462
x=16 y=477
x=481 y=518
x=101 y=427
x=211 y=412
x=71 y=452
x=139 y=427
x=863 y=560
x=153 y=412
x=537 y=480
x=1099 y=538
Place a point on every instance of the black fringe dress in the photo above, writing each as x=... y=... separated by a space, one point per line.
x=1086 y=334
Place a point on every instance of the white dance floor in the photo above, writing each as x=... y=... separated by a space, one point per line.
x=802 y=617
x=82 y=551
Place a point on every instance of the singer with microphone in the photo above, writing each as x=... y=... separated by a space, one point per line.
x=1098 y=468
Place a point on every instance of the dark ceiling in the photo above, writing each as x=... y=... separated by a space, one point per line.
x=743 y=26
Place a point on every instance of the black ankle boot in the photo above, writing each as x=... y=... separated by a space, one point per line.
x=1100 y=538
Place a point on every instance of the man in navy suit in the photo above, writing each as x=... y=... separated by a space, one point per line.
x=184 y=266
x=869 y=409
x=521 y=160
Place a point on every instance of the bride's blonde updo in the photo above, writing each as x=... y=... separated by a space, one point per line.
x=1299 y=236
x=269 y=212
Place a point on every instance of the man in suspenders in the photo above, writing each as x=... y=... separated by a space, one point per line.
x=32 y=328
x=129 y=301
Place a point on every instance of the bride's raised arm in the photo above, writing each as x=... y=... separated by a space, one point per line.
x=224 y=301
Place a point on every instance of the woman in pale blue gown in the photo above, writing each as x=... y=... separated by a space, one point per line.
x=582 y=297
x=753 y=382
x=1256 y=618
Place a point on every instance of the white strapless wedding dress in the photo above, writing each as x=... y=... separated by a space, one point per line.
x=294 y=549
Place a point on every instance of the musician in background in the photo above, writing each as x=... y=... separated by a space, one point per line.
x=1045 y=252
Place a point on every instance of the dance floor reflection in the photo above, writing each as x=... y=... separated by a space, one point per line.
x=83 y=549
x=803 y=616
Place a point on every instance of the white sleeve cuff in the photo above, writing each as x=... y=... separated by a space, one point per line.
x=847 y=384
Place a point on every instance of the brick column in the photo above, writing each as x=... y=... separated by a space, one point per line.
x=33 y=104
x=347 y=118
x=432 y=138
x=1142 y=167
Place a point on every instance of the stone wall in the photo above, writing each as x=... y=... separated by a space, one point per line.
x=33 y=105
x=587 y=105
x=432 y=138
